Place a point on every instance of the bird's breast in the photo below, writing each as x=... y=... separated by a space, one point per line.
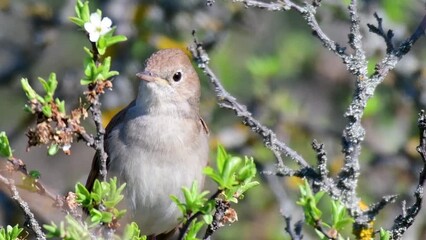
x=156 y=157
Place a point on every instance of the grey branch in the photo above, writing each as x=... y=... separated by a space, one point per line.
x=374 y=209
x=35 y=226
x=387 y=36
x=226 y=100
x=406 y=219
x=296 y=232
x=95 y=109
x=365 y=85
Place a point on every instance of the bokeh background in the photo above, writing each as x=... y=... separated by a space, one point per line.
x=268 y=60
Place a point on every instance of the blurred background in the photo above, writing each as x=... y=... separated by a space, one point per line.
x=268 y=60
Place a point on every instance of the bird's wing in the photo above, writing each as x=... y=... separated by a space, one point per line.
x=94 y=172
x=204 y=126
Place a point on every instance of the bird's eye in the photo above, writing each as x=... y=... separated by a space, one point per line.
x=177 y=76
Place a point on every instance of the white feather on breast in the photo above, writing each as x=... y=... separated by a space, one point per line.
x=155 y=163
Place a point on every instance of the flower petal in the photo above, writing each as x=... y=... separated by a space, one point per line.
x=94 y=36
x=95 y=18
x=106 y=22
x=89 y=27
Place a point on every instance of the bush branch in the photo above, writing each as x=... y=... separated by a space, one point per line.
x=406 y=219
x=226 y=100
x=35 y=226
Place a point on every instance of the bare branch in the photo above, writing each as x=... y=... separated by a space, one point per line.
x=35 y=226
x=406 y=219
x=284 y=5
x=377 y=207
x=365 y=85
x=387 y=36
x=95 y=109
x=19 y=166
x=321 y=158
x=269 y=138
x=359 y=62
x=296 y=232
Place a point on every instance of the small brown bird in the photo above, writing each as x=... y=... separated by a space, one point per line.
x=158 y=143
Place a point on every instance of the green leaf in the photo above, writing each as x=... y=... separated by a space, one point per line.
x=47 y=110
x=111 y=74
x=101 y=45
x=210 y=172
x=85 y=12
x=10 y=233
x=247 y=186
x=106 y=64
x=89 y=69
x=5 y=150
x=29 y=91
x=52 y=230
x=77 y=21
x=318 y=196
x=95 y=216
x=53 y=149
x=83 y=195
x=89 y=52
x=49 y=86
x=85 y=81
x=34 y=174
x=228 y=174
x=384 y=234
x=132 y=232
x=181 y=206
x=115 y=39
x=193 y=229
x=107 y=217
x=208 y=219
x=61 y=105
x=221 y=158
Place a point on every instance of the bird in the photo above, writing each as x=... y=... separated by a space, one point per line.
x=158 y=143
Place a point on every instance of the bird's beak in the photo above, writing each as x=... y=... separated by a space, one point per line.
x=148 y=76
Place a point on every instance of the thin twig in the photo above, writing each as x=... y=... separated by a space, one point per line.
x=406 y=219
x=284 y=5
x=19 y=165
x=269 y=138
x=296 y=232
x=95 y=109
x=358 y=59
x=374 y=209
x=35 y=226
x=218 y=218
x=321 y=158
x=354 y=133
x=387 y=36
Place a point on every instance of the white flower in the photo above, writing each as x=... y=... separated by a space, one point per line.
x=66 y=147
x=96 y=28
